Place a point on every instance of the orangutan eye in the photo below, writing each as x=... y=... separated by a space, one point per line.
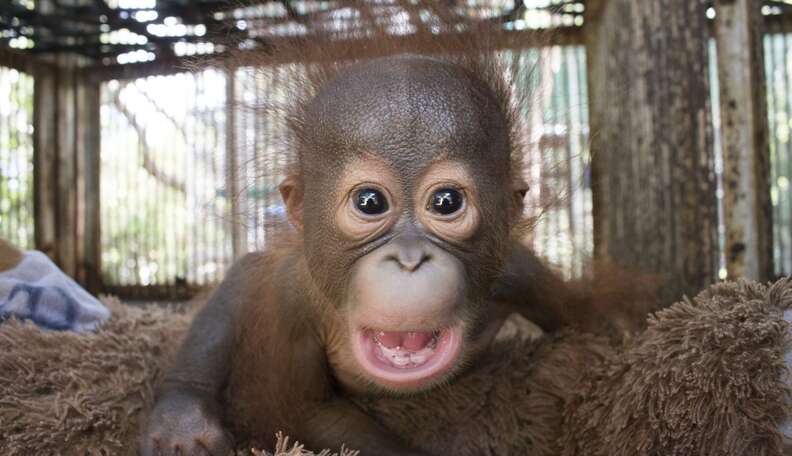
x=371 y=201
x=446 y=201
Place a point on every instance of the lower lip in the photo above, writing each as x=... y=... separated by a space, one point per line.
x=440 y=361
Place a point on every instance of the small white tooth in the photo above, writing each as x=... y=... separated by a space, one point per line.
x=401 y=361
x=418 y=358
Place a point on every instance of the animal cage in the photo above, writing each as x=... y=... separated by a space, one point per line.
x=189 y=183
x=185 y=173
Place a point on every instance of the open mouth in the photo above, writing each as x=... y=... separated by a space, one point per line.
x=407 y=358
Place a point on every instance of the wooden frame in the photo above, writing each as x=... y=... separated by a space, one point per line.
x=562 y=36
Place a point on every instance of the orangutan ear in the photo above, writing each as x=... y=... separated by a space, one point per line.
x=519 y=190
x=291 y=190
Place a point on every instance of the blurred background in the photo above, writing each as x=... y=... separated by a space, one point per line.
x=663 y=125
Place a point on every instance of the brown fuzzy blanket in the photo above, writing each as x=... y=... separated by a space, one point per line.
x=68 y=393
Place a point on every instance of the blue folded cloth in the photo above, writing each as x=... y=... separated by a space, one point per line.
x=37 y=290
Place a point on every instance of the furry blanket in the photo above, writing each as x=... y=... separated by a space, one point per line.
x=69 y=393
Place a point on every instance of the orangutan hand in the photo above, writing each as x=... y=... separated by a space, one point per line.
x=184 y=423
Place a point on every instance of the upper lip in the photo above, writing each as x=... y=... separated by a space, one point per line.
x=406 y=328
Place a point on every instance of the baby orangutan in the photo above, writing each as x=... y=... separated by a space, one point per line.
x=401 y=269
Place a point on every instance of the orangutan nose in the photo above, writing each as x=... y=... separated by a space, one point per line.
x=409 y=253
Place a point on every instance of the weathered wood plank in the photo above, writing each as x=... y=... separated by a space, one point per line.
x=24 y=62
x=88 y=184
x=45 y=158
x=747 y=208
x=653 y=164
x=66 y=171
x=66 y=218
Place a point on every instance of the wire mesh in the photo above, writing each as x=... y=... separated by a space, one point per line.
x=778 y=71
x=557 y=165
x=176 y=191
x=16 y=158
x=164 y=203
x=258 y=134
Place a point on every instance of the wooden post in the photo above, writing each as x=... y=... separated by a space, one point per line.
x=66 y=158
x=45 y=161
x=66 y=147
x=88 y=152
x=654 y=184
x=747 y=208
x=66 y=218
